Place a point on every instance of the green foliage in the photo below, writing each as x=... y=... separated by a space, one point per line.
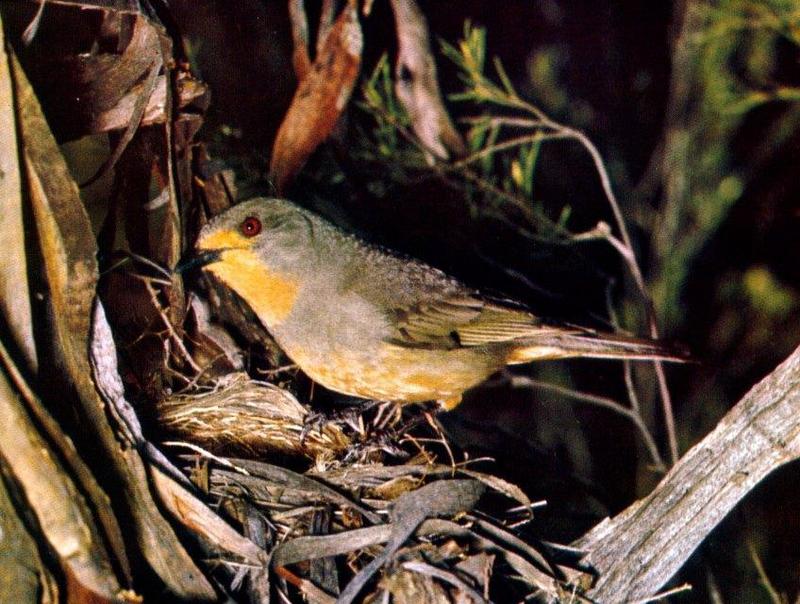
x=724 y=67
x=470 y=57
x=503 y=138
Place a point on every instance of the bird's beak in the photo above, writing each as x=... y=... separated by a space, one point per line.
x=197 y=260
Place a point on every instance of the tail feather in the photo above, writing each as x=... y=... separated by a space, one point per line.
x=593 y=345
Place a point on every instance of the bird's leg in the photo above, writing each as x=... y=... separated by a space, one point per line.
x=350 y=416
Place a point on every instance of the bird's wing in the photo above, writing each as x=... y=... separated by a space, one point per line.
x=460 y=320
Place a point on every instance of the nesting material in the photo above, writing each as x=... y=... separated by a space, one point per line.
x=354 y=525
x=249 y=415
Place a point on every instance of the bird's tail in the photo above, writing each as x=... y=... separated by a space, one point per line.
x=593 y=345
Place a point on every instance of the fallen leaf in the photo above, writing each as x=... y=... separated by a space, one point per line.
x=14 y=290
x=319 y=100
x=417 y=87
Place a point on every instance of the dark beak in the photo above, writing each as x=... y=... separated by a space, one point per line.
x=197 y=260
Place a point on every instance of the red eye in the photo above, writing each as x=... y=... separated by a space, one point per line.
x=251 y=226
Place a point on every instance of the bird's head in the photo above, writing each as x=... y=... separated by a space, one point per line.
x=275 y=230
x=260 y=249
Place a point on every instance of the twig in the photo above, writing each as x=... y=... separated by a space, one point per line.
x=173 y=335
x=665 y=594
x=627 y=367
x=224 y=462
x=308 y=589
x=774 y=596
x=519 y=381
x=508 y=144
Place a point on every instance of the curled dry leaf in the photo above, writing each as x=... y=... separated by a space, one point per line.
x=216 y=534
x=67 y=526
x=417 y=87
x=14 y=292
x=320 y=98
x=189 y=90
x=70 y=272
x=440 y=498
x=83 y=91
x=299 y=26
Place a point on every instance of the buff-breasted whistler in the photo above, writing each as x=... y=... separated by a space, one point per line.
x=368 y=323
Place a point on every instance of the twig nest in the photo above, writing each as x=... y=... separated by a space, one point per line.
x=245 y=414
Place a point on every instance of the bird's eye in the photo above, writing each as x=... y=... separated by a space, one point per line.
x=251 y=226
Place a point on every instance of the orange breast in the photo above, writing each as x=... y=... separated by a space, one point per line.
x=269 y=294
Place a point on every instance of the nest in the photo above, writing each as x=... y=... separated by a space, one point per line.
x=242 y=414
x=351 y=522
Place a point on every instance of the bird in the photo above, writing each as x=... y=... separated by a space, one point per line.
x=369 y=323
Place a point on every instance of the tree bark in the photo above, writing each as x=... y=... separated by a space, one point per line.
x=639 y=550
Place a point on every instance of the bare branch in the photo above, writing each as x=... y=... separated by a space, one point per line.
x=518 y=381
x=638 y=551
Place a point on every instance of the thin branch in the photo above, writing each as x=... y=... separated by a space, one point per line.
x=518 y=381
x=774 y=596
x=665 y=594
x=508 y=144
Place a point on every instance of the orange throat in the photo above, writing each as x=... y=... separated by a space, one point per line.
x=269 y=294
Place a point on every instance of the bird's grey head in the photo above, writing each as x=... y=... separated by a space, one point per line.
x=276 y=230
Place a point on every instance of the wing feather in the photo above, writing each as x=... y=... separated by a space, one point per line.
x=463 y=320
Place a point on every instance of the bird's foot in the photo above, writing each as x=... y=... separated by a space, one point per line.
x=317 y=420
x=350 y=417
x=378 y=442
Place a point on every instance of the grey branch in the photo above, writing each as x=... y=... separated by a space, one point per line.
x=638 y=551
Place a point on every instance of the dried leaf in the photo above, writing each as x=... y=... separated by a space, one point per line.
x=218 y=186
x=123 y=6
x=133 y=121
x=307 y=488
x=417 y=87
x=202 y=523
x=479 y=567
x=319 y=100
x=155 y=112
x=508 y=489
x=70 y=270
x=322 y=571
x=61 y=512
x=299 y=22
x=211 y=346
x=138 y=326
x=15 y=302
x=24 y=577
x=78 y=89
x=409 y=587
x=305 y=548
x=440 y=498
